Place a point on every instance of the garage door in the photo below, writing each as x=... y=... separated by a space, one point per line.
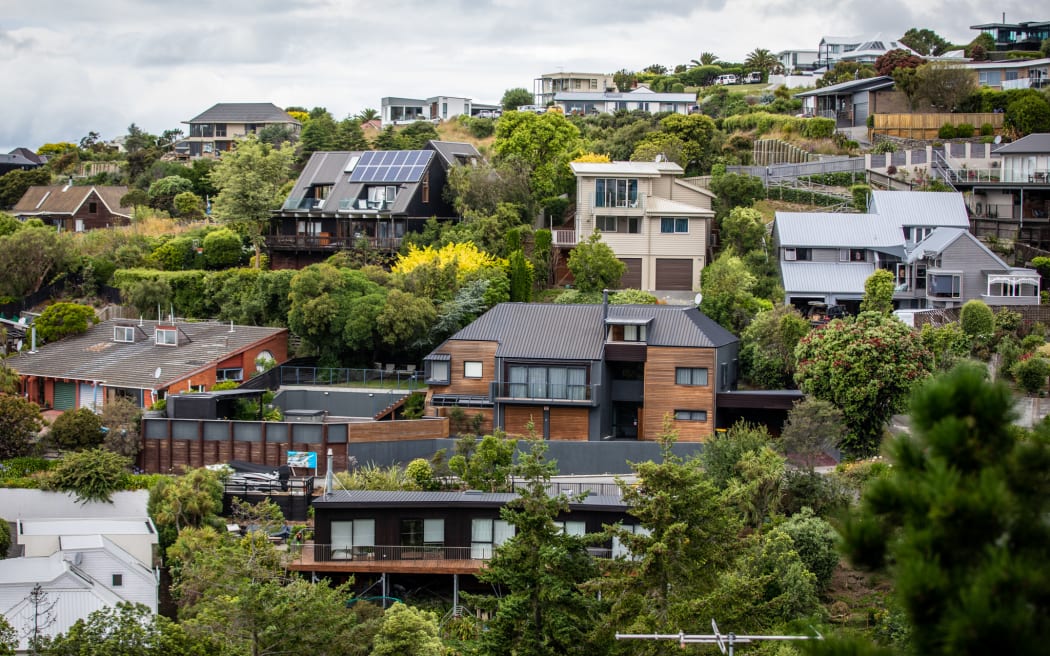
x=632 y=277
x=674 y=275
x=65 y=396
x=91 y=396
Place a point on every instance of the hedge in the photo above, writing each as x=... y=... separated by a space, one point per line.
x=806 y=196
x=763 y=122
x=839 y=179
x=187 y=289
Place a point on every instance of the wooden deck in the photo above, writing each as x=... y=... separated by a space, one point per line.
x=303 y=559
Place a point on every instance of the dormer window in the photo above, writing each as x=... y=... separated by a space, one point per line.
x=166 y=337
x=627 y=330
x=379 y=197
x=124 y=334
x=634 y=333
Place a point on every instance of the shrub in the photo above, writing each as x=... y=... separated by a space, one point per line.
x=946 y=131
x=884 y=147
x=860 y=195
x=977 y=319
x=1031 y=373
x=77 y=429
x=987 y=129
x=814 y=541
x=91 y=475
x=963 y=131
x=64 y=319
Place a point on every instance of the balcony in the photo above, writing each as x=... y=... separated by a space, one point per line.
x=303 y=203
x=364 y=205
x=325 y=242
x=609 y=203
x=565 y=238
x=545 y=393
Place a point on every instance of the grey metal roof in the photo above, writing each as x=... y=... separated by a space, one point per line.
x=374 y=499
x=94 y=356
x=1038 y=144
x=825 y=277
x=941 y=238
x=454 y=152
x=921 y=208
x=829 y=230
x=243 y=113
x=16 y=159
x=852 y=86
x=577 y=332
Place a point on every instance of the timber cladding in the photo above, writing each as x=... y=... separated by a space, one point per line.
x=565 y=423
x=664 y=396
x=463 y=351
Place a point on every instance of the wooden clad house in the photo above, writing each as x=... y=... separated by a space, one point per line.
x=586 y=372
x=74 y=208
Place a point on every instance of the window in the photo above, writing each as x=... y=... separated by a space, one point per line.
x=634 y=225
x=547 y=382
x=166 y=337
x=989 y=78
x=594 y=84
x=690 y=376
x=439 y=370
x=322 y=192
x=620 y=549
x=379 y=195
x=572 y=528
x=118 y=580
x=615 y=192
x=444 y=110
x=672 y=225
x=472 y=370
x=353 y=538
x=920 y=276
x=123 y=333
x=634 y=333
x=425 y=192
x=220 y=129
x=605 y=223
x=92 y=208
x=690 y=415
x=799 y=254
x=486 y=535
x=229 y=374
x=944 y=285
x=851 y=255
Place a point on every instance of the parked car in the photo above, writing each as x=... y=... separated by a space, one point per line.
x=728 y=78
x=754 y=77
x=488 y=113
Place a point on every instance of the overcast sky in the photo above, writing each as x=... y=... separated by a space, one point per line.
x=68 y=67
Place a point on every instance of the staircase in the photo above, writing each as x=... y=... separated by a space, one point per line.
x=388 y=412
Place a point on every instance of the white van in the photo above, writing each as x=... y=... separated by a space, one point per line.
x=754 y=77
x=729 y=78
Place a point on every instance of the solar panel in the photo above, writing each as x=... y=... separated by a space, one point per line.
x=391 y=166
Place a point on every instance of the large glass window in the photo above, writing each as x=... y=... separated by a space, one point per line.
x=439 y=370
x=690 y=376
x=605 y=223
x=615 y=192
x=353 y=538
x=944 y=285
x=547 y=382
x=486 y=535
x=690 y=415
x=671 y=225
x=166 y=337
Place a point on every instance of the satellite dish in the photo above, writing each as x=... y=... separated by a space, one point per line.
x=998 y=139
x=699 y=297
x=156 y=374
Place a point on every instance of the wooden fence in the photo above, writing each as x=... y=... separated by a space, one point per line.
x=925 y=126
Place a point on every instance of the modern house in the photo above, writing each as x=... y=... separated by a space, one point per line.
x=922 y=238
x=217 y=129
x=1026 y=35
x=859 y=49
x=548 y=85
x=849 y=103
x=76 y=564
x=397 y=111
x=641 y=98
x=347 y=200
x=74 y=208
x=800 y=61
x=658 y=224
x=144 y=361
x=586 y=372
x=18 y=161
x=1012 y=73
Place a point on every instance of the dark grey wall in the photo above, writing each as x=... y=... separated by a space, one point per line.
x=572 y=457
x=339 y=403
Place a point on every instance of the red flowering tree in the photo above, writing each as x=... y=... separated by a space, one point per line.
x=894 y=59
x=866 y=366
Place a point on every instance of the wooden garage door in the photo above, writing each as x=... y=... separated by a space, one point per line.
x=632 y=277
x=674 y=275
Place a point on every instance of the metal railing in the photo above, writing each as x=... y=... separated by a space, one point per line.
x=328 y=242
x=380 y=378
x=940 y=169
x=574 y=489
x=552 y=392
x=310 y=553
x=292 y=486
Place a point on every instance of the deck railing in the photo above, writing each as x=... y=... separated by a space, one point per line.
x=310 y=552
x=379 y=378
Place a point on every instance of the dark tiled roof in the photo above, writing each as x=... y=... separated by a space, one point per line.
x=243 y=113
x=94 y=356
x=65 y=199
x=1033 y=143
x=16 y=159
x=29 y=155
x=376 y=499
x=577 y=332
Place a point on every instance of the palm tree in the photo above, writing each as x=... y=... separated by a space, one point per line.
x=761 y=59
x=367 y=114
x=706 y=59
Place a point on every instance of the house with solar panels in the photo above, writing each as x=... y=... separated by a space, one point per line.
x=369 y=199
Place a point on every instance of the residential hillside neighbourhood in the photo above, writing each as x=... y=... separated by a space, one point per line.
x=755 y=348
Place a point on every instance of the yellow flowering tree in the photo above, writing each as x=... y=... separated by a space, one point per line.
x=465 y=257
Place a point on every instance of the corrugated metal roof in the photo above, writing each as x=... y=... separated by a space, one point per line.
x=577 y=332
x=921 y=208
x=345 y=498
x=1038 y=144
x=625 y=168
x=941 y=238
x=657 y=205
x=243 y=113
x=851 y=86
x=825 y=277
x=827 y=230
x=94 y=526
x=453 y=152
x=95 y=356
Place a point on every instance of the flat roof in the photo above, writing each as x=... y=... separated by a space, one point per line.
x=92 y=526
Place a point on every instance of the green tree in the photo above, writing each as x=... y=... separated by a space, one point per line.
x=706 y=59
x=767 y=347
x=408 y=631
x=32 y=257
x=594 y=265
x=349 y=136
x=727 y=285
x=8 y=224
x=192 y=500
x=415 y=136
x=334 y=310
x=813 y=427
x=906 y=80
x=125 y=630
x=865 y=365
x=188 y=205
x=63 y=319
x=162 y=192
x=958 y=521
x=543 y=145
x=276 y=134
x=544 y=611
x=368 y=114
x=223 y=249
x=696 y=132
x=20 y=421
x=926 y=42
x=121 y=419
x=485 y=464
x=735 y=190
x=815 y=541
x=844 y=71
x=250 y=180
x=945 y=85
x=878 y=292
x=977 y=320
x=92 y=475
x=1028 y=115
x=743 y=230
x=662 y=144
x=521 y=277
x=624 y=80
x=763 y=60
x=14 y=184
x=947 y=344
x=516 y=97
x=76 y=429
x=318 y=134
x=406 y=319
x=1031 y=373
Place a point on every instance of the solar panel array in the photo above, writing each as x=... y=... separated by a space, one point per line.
x=391 y=166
